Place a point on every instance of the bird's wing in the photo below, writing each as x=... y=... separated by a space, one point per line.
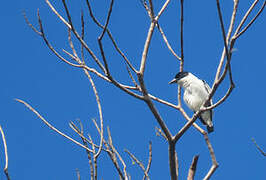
x=208 y=89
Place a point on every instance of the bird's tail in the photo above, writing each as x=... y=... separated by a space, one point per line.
x=210 y=129
x=206 y=119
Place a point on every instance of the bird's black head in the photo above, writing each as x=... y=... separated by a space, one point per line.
x=180 y=75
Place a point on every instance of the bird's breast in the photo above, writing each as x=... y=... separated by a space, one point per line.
x=192 y=100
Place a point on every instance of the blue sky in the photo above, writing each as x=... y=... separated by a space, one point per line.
x=61 y=93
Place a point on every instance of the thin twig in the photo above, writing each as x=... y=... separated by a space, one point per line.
x=162 y=10
x=82 y=36
x=151 y=9
x=50 y=126
x=81 y=40
x=182 y=29
x=99 y=110
x=105 y=61
x=228 y=53
x=213 y=158
x=78 y=174
x=80 y=133
x=110 y=36
x=159 y=132
x=90 y=69
x=155 y=112
x=138 y=162
x=181 y=67
x=132 y=78
x=186 y=126
x=252 y=21
x=223 y=30
x=70 y=25
x=261 y=151
x=116 y=153
x=110 y=79
x=146 y=48
x=145 y=5
x=6 y=154
x=243 y=20
x=107 y=19
x=166 y=42
x=72 y=46
x=94 y=159
x=230 y=89
x=227 y=38
x=193 y=167
x=60 y=57
x=42 y=34
x=178 y=108
x=110 y=152
x=149 y=162
x=125 y=88
x=84 y=140
x=150 y=13
x=57 y=14
x=30 y=25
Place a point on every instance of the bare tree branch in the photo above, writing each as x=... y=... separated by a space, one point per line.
x=82 y=36
x=81 y=40
x=166 y=42
x=181 y=32
x=218 y=71
x=110 y=79
x=181 y=67
x=50 y=126
x=176 y=164
x=252 y=21
x=116 y=153
x=153 y=109
x=78 y=174
x=186 y=126
x=100 y=40
x=6 y=154
x=223 y=30
x=159 y=132
x=139 y=89
x=149 y=162
x=172 y=160
x=193 y=167
x=140 y=164
x=162 y=10
x=178 y=108
x=213 y=158
x=146 y=48
x=94 y=159
x=261 y=151
x=151 y=9
x=84 y=140
x=111 y=37
x=100 y=112
x=132 y=78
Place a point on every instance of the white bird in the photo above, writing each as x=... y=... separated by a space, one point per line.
x=196 y=92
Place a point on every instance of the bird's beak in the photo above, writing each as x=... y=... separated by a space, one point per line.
x=173 y=81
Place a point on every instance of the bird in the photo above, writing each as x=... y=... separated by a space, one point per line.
x=196 y=92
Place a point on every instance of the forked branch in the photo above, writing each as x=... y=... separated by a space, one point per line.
x=51 y=126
